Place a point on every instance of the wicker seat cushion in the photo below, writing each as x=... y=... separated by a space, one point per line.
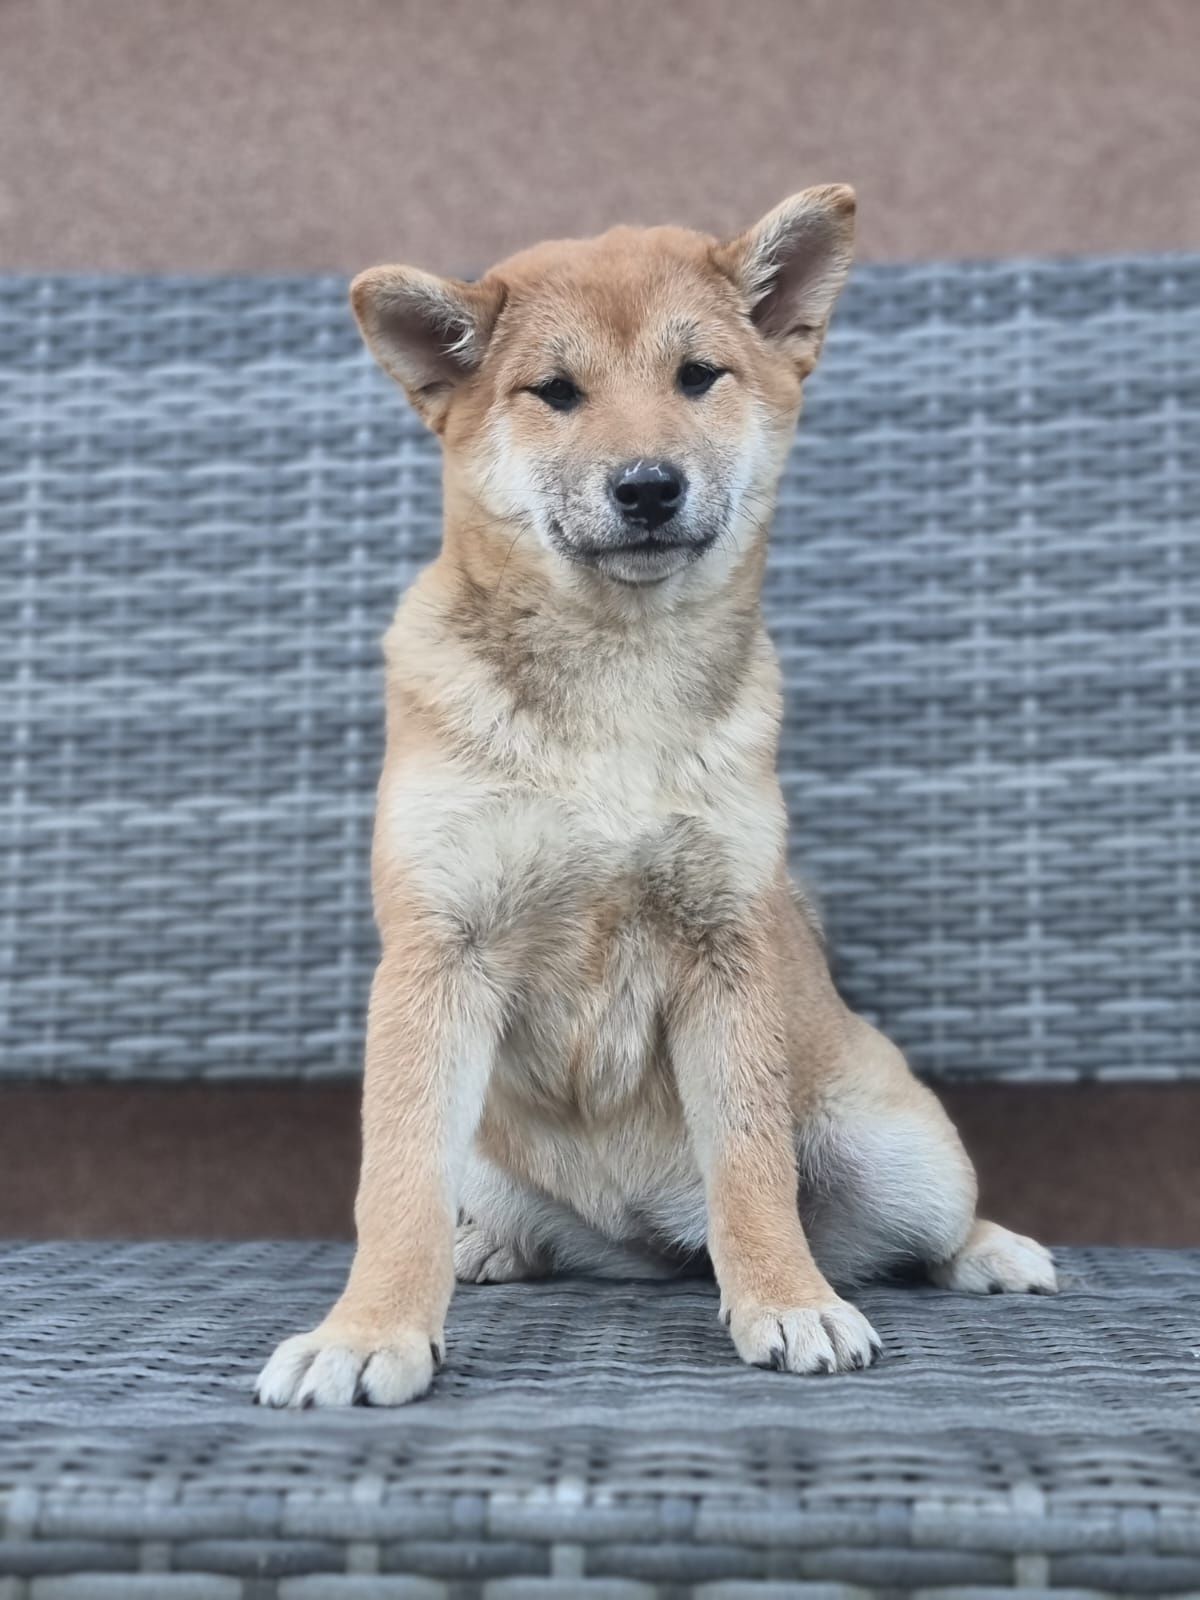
x=595 y=1434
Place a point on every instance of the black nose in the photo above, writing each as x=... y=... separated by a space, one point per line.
x=647 y=493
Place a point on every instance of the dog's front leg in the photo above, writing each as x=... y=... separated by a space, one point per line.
x=726 y=1034
x=432 y=1029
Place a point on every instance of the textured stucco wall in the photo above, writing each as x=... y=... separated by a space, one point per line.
x=328 y=134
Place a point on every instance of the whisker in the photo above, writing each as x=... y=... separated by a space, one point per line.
x=504 y=563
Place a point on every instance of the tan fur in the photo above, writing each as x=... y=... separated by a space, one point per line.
x=603 y=1032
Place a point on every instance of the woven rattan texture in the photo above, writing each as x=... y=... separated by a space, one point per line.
x=598 y=1431
x=985 y=585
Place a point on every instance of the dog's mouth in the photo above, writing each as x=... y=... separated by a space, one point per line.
x=648 y=558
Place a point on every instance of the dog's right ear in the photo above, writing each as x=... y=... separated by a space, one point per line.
x=428 y=333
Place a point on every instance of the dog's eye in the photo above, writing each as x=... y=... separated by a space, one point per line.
x=558 y=393
x=697 y=377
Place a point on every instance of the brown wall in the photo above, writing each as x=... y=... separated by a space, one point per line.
x=328 y=134
x=1101 y=1164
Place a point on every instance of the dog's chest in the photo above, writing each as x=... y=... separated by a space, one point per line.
x=574 y=874
x=560 y=834
x=627 y=867
x=587 y=1033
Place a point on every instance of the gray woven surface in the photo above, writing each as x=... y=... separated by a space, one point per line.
x=985 y=585
x=602 y=1430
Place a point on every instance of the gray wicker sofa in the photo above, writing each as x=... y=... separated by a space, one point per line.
x=985 y=585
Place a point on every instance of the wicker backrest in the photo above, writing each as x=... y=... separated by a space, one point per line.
x=985 y=585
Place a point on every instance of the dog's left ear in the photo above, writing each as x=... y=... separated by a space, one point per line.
x=792 y=265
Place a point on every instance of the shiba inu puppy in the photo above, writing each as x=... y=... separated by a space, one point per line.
x=603 y=1037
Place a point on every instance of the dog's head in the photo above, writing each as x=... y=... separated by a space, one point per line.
x=626 y=401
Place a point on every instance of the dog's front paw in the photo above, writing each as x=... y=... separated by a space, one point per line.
x=995 y=1261
x=834 y=1337
x=341 y=1366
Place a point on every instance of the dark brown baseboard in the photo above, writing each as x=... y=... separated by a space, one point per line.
x=1095 y=1164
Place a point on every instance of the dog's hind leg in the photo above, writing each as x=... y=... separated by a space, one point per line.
x=886 y=1185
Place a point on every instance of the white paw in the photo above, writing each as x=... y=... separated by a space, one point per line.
x=995 y=1261
x=339 y=1369
x=478 y=1258
x=829 y=1338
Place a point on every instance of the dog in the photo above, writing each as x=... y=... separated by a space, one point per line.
x=603 y=1037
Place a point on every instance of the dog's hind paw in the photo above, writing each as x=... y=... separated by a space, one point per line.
x=995 y=1261
x=479 y=1258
